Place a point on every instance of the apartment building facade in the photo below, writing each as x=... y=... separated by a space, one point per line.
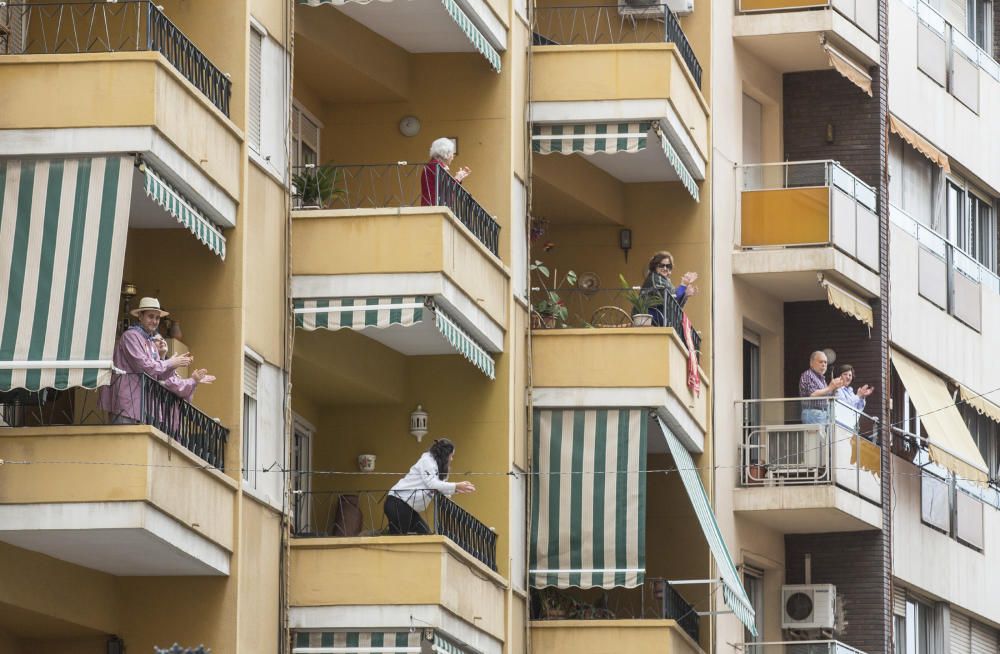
x=263 y=169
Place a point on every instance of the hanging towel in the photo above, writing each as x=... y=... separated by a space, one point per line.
x=694 y=381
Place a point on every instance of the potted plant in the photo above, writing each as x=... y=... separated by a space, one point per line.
x=315 y=186
x=549 y=309
x=640 y=302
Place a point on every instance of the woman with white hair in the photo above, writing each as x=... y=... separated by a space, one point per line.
x=442 y=154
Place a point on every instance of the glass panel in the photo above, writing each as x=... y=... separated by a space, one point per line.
x=935 y=508
x=969 y=519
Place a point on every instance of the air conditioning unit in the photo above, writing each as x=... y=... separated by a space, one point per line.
x=651 y=8
x=794 y=450
x=809 y=606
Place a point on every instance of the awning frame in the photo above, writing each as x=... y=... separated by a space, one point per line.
x=733 y=593
x=919 y=143
x=851 y=71
x=847 y=302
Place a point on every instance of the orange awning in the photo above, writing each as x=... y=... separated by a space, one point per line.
x=919 y=143
x=852 y=71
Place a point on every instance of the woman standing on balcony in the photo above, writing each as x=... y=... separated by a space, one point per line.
x=413 y=493
x=432 y=178
x=657 y=285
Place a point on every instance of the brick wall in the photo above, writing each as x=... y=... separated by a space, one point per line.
x=852 y=561
x=813 y=99
x=811 y=326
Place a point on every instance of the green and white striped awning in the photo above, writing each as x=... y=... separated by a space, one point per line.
x=382 y=312
x=184 y=211
x=444 y=646
x=588 y=502
x=473 y=33
x=610 y=138
x=357 y=642
x=63 y=225
x=733 y=593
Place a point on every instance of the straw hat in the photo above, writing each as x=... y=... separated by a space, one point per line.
x=149 y=304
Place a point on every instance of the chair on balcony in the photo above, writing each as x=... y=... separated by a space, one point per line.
x=610 y=316
x=345 y=517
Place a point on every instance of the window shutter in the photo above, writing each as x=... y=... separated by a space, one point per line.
x=960 y=637
x=256 y=80
x=309 y=133
x=899 y=600
x=983 y=639
x=251 y=370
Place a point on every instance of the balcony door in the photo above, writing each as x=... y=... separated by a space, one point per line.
x=301 y=477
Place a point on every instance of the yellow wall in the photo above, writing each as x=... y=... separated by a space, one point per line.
x=265 y=310
x=403 y=241
x=259 y=577
x=601 y=636
x=121 y=90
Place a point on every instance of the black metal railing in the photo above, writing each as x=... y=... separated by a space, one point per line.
x=359 y=513
x=674 y=607
x=130 y=399
x=605 y=308
x=465 y=530
x=379 y=186
x=656 y=599
x=121 y=26
x=613 y=24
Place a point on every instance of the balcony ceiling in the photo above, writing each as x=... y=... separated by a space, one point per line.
x=791 y=42
x=419 y=26
x=121 y=538
x=22 y=623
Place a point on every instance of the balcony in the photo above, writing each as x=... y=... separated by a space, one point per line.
x=803 y=35
x=802 y=218
x=585 y=58
x=809 y=466
x=138 y=84
x=436 y=250
x=602 y=636
x=592 y=354
x=344 y=563
x=131 y=499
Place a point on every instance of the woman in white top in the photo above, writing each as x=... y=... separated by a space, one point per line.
x=413 y=493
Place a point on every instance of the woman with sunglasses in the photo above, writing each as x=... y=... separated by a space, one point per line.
x=658 y=285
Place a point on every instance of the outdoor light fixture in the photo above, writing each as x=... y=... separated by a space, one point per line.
x=829 y=133
x=625 y=241
x=418 y=423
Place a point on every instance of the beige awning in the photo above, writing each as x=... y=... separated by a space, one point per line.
x=919 y=143
x=852 y=71
x=979 y=403
x=951 y=444
x=848 y=303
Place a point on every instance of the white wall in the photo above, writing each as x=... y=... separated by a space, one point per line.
x=931 y=334
x=937 y=115
x=931 y=561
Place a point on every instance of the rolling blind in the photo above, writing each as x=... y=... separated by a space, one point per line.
x=253 y=110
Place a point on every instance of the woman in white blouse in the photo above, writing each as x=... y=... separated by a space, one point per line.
x=413 y=493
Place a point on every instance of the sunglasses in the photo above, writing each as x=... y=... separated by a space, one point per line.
x=667 y=266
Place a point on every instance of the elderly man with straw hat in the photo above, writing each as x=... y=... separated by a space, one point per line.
x=137 y=353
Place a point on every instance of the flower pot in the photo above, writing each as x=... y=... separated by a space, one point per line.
x=642 y=320
x=756 y=473
x=538 y=321
x=366 y=462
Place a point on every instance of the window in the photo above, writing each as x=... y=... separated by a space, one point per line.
x=251 y=372
x=753 y=581
x=255 y=83
x=919 y=627
x=268 y=121
x=972 y=222
x=899 y=634
x=751 y=378
x=912 y=179
x=979 y=16
x=301 y=476
x=305 y=138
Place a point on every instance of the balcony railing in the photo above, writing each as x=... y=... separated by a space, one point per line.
x=120 y=26
x=810 y=442
x=380 y=186
x=808 y=203
x=359 y=513
x=603 y=308
x=799 y=647
x=863 y=13
x=654 y=600
x=614 y=24
x=131 y=399
x=946 y=275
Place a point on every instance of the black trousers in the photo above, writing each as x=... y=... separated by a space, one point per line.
x=402 y=518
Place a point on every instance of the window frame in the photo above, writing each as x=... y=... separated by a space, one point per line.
x=299 y=112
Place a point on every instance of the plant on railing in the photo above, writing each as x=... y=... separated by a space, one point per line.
x=315 y=187
x=641 y=303
x=549 y=310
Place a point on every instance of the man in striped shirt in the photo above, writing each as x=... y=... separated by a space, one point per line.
x=812 y=383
